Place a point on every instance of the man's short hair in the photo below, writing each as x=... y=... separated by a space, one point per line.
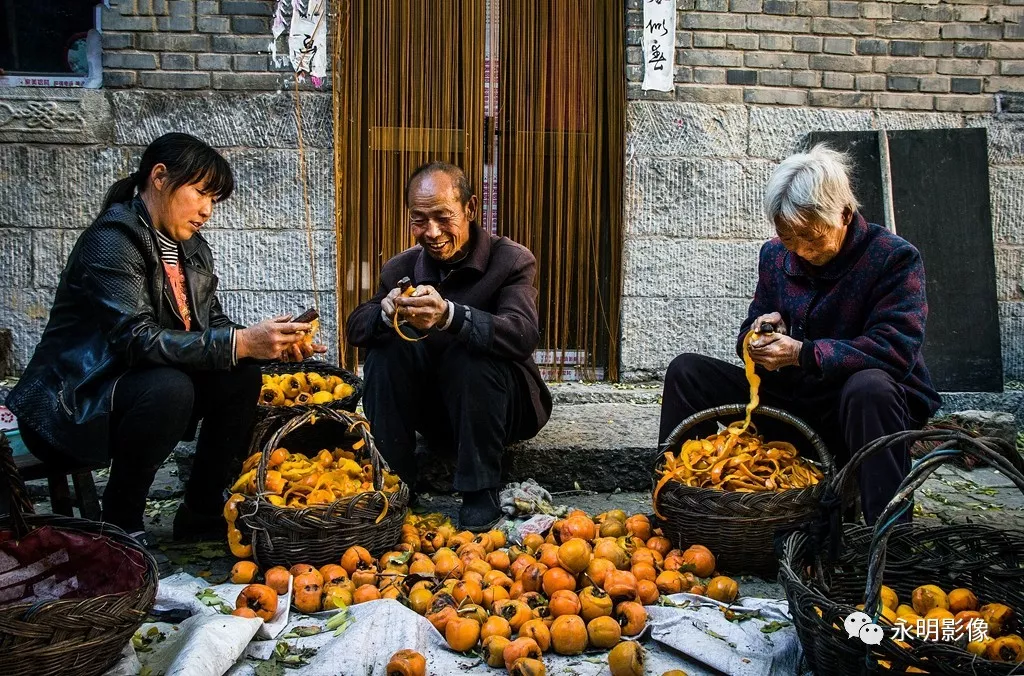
x=463 y=187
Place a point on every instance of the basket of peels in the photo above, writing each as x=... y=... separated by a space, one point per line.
x=292 y=388
x=938 y=599
x=733 y=491
x=314 y=487
x=73 y=592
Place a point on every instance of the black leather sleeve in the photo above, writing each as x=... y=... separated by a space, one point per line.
x=218 y=318
x=112 y=273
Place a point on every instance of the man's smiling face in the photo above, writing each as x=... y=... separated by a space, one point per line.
x=438 y=219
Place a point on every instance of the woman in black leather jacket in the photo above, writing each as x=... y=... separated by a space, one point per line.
x=137 y=346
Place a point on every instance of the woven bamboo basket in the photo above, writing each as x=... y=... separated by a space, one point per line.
x=349 y=403
x=283 y=536
x=81 y=636
x=740 y=528
x=987 y=560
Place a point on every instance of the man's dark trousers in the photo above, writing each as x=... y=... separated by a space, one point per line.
x=454 y=398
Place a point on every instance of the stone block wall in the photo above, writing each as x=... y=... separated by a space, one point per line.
x=944 y=55
x=64 y=148
x=695 y=177
x=753 y=78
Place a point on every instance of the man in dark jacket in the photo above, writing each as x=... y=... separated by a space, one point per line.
x=846 y=300
x=462 y=370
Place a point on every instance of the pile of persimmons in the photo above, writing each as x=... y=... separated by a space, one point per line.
x=583 y=584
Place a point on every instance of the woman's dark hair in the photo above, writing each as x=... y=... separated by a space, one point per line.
x=188 y=160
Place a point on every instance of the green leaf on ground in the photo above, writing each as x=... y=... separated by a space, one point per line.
x=303 y=632
x=715 y=634
x=774 y=626
x=270 y=667
x=666 y=601
x=143 y=642
x=208 y=597
x=337 y=619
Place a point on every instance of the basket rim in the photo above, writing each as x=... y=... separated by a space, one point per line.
x=827 y=467
x=348 y=502
x=307 y=366
x=97 y=528
x=825 y=458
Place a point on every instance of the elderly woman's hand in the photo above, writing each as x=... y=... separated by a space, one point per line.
x=773 y=318
x=775 y=350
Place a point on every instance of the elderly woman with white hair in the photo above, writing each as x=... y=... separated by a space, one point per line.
x=846 y=299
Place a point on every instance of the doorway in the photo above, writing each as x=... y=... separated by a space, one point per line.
x=529 y=99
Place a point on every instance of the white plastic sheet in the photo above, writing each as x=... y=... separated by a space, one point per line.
x=696 y=638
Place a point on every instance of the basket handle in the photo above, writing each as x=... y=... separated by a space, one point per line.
x=377 y=461
x=676 y=436
x=18 y=504
x=954 y=444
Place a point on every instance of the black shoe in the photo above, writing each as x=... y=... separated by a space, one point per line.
x=190 y=526
x=480 y=510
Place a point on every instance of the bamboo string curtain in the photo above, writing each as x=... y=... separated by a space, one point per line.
x=409 y=88
x=561 y=164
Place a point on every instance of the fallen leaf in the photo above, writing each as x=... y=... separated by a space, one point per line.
x=302 y=632
x=773 y=626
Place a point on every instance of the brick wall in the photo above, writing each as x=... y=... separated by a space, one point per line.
x=191 y=44
x=954 y=55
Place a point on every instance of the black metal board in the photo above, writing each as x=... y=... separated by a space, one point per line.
x=941 y=204
x=862 y=147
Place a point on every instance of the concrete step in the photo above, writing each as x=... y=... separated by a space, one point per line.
x=603 y=437
x=598 y=447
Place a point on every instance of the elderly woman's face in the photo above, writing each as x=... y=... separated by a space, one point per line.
x=816 y=242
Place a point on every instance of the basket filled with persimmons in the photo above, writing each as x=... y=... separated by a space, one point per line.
x=316 y=487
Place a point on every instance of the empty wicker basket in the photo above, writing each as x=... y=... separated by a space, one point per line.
x=80 y=633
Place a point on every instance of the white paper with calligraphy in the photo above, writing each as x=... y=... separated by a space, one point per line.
x=307 y=40
x=659 y=40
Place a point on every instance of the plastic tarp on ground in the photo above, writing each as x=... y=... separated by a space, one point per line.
x=689 y=632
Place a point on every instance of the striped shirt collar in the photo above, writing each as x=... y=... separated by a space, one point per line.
x=168 y=247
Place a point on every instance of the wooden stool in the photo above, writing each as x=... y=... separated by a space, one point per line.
x=88 y=501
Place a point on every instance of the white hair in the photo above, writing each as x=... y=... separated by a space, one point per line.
x=810 y=187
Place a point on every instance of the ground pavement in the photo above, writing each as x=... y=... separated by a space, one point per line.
x=596 y=454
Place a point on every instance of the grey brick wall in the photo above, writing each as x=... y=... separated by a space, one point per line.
x=954 y=55
x=177 y=44
x=695 y=177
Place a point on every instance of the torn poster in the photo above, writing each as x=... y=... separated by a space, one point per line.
x=659 y=40
x=307 y=39
x=282 y=20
